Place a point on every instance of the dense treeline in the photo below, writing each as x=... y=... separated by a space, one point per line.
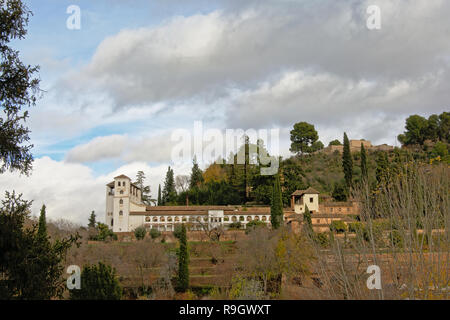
x=331 y=174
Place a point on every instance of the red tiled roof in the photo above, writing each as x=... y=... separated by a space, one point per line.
x=307 y=191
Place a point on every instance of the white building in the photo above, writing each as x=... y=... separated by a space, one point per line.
x=125 y=211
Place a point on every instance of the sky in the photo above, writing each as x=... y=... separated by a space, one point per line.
x=115 y=90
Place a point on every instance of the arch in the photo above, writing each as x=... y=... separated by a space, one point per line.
x=233 y=218
x=162 y=219
x=121 y=201
x=249 y=218
x=256 y=218
x=264 y=218
x=169 y=219
x=147 y=219
x=241 y=218
x=155 y=219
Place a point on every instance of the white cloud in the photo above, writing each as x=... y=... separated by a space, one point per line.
x=71 y=191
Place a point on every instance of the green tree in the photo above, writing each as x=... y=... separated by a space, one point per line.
x=303 y=136
x=364 y=168
x=98 y=282
x=140 y=232
x=196 y=175
x=31 y=266
x=92 y=221
x=42 y=227
x=276 y=206
x=145 y=190
x=307 y=220
x=169 y=193
x=183 y=262
x=382 y=166
x=340 y=191
x=440 y=149
x=104 y=233
x=347 y=162
x=444 y=127
x=159 y=196
x=338 y=226
x=154 y=233
x=416 y=130
x=335 y=143
x=316 y=146
x=19 y=89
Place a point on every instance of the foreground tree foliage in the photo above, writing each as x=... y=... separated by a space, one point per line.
x=19 y=87
x=31 y=266
x=98 y=282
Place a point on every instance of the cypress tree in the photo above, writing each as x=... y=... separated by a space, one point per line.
x=276 y=206
x=307 y=220
x=347 y=162
x=42 y=227
x=92 y=221
x=196 y=175
x=169 y=193
x=382 y=166
x=364 y=169
x=183 y=262
x=159 y=196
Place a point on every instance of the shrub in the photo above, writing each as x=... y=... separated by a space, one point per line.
x=322 y=239
x=355 y=227
x=338 y=225
x=235 y=225
x=140 y=232
x=104 y=233
x=154 y=233
x=253 y=225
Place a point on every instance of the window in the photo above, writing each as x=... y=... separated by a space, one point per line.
x=121 y=191
x=147 y=219
x=121 y=201
x=120 y=213
x=311 y=200
x=112 y=222
x=118 y=183
x=123 y=184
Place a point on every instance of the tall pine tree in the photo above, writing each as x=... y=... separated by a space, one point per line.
x=183 y=262
x=92 y=221
x=196 y=175
x=169 y=193
x=159 y=196
x=276 y=206
x=347 y=162
x=364 y=169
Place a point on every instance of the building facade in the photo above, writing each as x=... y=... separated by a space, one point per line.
x=125 y=211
